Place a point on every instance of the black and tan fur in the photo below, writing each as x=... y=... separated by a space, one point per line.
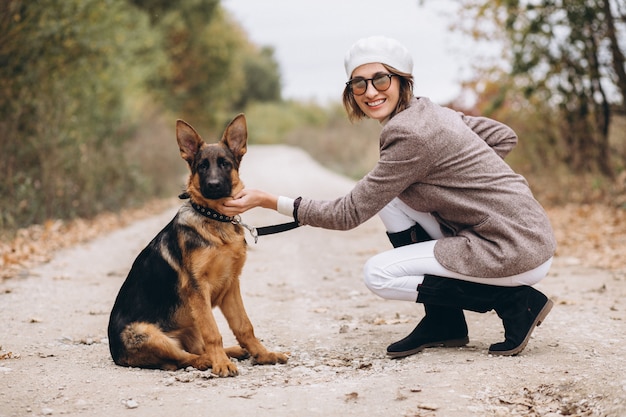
x=162 y=317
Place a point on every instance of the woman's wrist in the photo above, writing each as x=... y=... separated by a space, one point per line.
x=270 y=201
x=284 y=205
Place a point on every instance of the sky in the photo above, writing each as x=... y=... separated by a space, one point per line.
x=310 y=39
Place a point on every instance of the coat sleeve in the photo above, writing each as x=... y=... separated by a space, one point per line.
x=500 y=137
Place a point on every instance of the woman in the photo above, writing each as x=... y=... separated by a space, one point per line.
x=467 y=231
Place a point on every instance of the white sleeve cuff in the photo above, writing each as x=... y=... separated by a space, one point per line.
x=285 y=206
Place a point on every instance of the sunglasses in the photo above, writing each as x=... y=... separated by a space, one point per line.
x=380 y=82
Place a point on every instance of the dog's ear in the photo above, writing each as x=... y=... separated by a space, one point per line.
x=189 y=142
x=236 y=136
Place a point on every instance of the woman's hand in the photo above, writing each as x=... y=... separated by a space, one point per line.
x=247 y=199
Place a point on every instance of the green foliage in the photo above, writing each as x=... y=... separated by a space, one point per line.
x=66 y=74
x=204 y=76
x=269 y=123
x=82 y=80
x=262 y=78
x=213 y=71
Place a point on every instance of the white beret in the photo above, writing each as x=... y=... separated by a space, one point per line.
x=378 y=49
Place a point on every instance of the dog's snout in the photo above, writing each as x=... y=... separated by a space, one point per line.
x=214 y=183
x=215 y=187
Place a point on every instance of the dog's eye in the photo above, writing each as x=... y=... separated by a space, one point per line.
x=204 y=164
x=224 y=163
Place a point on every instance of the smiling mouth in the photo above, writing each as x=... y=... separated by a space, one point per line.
x=376 y=103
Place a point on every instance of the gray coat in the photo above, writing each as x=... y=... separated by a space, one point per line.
x=442 y=162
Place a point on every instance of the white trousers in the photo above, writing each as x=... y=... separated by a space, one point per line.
x=395 y=274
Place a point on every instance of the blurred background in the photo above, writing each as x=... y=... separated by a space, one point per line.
x=90 y=90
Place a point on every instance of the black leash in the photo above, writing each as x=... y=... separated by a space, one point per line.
x=277 y=228
x=255 y=232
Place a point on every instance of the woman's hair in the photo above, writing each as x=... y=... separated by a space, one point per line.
x=406 y=93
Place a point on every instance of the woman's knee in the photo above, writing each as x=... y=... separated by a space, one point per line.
x=374 y=276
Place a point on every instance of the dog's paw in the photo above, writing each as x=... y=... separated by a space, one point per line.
x=201 y=363
x=221 y=368
x=270 y=358
x=237 y=352
x=224 y=369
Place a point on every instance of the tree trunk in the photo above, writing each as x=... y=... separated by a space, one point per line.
x=619 y=61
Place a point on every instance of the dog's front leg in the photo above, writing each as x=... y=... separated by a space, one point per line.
x=233 y=309
x=214 y=356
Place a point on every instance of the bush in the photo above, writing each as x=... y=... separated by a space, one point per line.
x=65 y=105
x=79 y=131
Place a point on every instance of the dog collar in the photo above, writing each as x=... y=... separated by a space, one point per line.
x=212 y=214
x=236 y=220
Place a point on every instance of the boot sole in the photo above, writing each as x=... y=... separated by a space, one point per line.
x=446 y=343
x=540 y=318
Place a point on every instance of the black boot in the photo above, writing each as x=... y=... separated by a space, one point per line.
x=415 y=234
x=520 y=308
x=441 y=326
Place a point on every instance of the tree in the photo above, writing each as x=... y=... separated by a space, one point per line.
x=569 y=53
x=213 y=70
x=74 y=79
x=262 y=77
x=67 y=73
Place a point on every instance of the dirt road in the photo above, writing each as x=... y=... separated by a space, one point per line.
x=304 y=294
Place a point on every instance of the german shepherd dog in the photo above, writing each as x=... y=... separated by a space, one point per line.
x=162 y=317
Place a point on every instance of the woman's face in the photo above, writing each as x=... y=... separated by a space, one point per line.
x=377 y=105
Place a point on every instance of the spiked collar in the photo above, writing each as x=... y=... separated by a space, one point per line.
x=212 y=214
x=208 y=212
